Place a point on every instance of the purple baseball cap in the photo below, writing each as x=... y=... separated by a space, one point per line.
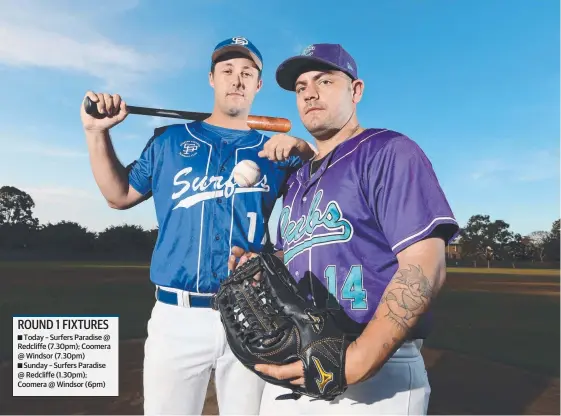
x=319 y=55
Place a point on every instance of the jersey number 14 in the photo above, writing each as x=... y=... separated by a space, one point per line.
x=352 y=289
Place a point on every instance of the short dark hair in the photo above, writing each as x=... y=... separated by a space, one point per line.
x=231 y=55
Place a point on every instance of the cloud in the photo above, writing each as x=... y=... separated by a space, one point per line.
x=56 y=194
x=129 y=136
x=532 y=166
x=39 y=34
x=113 y=63
x=85 y=206
x=483 y=169
x=46 y=148
x=155 y=122
x=50 y=151
x=294 y=40
x=540 y=165
x=57 y=152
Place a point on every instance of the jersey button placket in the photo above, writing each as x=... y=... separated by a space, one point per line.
x=222 y=163
x=216 y=212
x=304 y=212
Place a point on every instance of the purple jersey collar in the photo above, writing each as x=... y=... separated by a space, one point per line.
x=304 y=172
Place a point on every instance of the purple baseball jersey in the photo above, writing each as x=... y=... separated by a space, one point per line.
x=341 y=227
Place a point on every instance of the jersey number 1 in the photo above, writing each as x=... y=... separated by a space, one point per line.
x=252 y=226
x=353 y=288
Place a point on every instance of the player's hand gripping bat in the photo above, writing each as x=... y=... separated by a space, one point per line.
x=277 y=124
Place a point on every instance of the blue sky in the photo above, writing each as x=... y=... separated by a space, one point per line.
x=475 y=83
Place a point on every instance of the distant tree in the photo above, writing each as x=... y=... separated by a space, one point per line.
x=556 y=228
x=517 y=249
x=528 y=249
x=552 y=243
x=16 y=207
x=125 y=241
x=538 y=244
x=500 y=234
x=489 y=255
x=473 y=237
x=483 y=239
x=17 y=223
x=16 y=236
x=153 y=236
x=65 y=237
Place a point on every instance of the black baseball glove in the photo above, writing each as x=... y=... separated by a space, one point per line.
x=269 y=322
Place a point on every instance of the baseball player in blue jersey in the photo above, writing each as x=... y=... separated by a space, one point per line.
x=363 y=231
x=202 y=213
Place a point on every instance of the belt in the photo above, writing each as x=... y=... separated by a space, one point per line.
x=184 y=298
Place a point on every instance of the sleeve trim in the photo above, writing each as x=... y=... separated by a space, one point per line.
x=424 y=230
x=138 y=189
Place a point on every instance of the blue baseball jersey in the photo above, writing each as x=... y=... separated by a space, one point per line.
x=201 y=212
x=342 y=226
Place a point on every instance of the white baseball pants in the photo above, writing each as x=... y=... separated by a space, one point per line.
x=183 y=346
x=401 y=387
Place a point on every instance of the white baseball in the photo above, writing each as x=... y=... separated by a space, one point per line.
x=246 y=173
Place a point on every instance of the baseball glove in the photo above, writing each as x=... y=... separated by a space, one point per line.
x=269 y=322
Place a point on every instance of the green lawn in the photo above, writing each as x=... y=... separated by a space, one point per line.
x=521 y=330
x=504 y=271
x=59 y=289
x=14 y=265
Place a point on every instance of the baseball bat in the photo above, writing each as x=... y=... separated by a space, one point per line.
x=277 y=124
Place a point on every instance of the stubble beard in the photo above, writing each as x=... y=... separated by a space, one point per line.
x=321 y=129
x=236 y=108
x=233 y=110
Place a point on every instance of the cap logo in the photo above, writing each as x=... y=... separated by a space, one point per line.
x=309 y=50
x=350 y=67
x=238 y=40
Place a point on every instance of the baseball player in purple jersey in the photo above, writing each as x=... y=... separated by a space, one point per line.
x=363 y=229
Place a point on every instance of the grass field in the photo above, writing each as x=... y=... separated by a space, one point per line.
x=504 y=271
x=58 y=288
x=501 y=315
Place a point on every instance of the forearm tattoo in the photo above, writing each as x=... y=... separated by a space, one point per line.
x=406 y=298
x=394 y=345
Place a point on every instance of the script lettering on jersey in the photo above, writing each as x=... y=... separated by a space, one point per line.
x=212 y=187
x=301 y=235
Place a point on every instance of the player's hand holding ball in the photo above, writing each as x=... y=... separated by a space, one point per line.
x=111 y=106
x=281 y=146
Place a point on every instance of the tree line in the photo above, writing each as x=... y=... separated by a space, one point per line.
x=22 y=237
x=481 y=242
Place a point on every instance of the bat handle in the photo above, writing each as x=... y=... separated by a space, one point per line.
x=91 y=108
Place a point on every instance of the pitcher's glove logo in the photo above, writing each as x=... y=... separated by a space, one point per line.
x=325 y=377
